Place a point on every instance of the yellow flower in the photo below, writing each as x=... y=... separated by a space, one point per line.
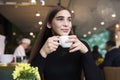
x=100 y=60
x=24 y=70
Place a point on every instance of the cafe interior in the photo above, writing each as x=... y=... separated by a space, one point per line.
x=95 y=21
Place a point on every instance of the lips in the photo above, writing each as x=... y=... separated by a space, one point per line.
x=65 y=30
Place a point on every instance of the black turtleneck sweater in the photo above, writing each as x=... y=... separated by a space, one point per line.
x=62 y=65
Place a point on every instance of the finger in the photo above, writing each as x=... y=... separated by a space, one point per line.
x=75 y=45
x=72 y=38
x=53 y=46
x=53 y=49
x=74 y=49
x=55 y=43
x=52 y=41
x=55 y=38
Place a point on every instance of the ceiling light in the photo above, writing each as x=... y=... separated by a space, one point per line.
x=33 y=1
x=37 y=14
x=116 y=36
x=42 y=2
x=14 y=33
x=89 y=32
x=11 y=3
x=40 y=22
x=94 y=28
x=72 y=11
x=102 y=23
x=113 y=15
x=31 y=34
x=84 y=35
x=25 y=3
x=117 y=25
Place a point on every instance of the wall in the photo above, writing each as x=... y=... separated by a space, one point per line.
x=98 y=39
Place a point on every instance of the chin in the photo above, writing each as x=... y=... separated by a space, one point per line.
x=64 y=34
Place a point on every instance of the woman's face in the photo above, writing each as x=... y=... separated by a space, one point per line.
x=61 y=23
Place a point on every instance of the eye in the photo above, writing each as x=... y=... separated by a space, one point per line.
x=59 y=18
x=70 y=19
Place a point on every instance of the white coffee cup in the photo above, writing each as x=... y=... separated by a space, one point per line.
x=63 y=43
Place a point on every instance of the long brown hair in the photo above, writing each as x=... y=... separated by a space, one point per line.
x=45 y=32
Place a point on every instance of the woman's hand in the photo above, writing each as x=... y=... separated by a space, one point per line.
x=50 y=45
x=77 y=44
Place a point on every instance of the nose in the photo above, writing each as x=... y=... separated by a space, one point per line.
x=66 y=23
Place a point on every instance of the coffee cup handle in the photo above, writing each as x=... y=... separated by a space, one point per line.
x=59 y=42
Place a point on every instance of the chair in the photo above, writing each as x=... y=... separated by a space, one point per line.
x=112 y=73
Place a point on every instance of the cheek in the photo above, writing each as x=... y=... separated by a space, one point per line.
x=56 y=27
x=57 y=30
x=70 y=27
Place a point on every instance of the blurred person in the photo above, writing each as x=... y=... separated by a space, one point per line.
x=20 y=50
x=112 y=57
x=95 y=53
x=56 y=62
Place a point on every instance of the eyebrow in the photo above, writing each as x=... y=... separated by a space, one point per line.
x=62 y=16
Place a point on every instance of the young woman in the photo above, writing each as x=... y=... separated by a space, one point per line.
x=58 y=63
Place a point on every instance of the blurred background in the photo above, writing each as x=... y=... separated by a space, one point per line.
x=95 y=21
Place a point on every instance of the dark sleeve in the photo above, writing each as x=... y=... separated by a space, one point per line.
x=92 y=72
x=39 y=62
